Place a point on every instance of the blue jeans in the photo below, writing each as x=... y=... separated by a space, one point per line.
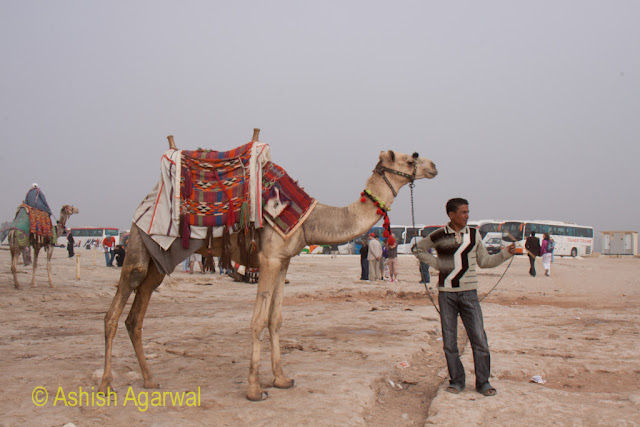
x=108 y=257
x=364 y=266
x=425 y=277
x=465 y=304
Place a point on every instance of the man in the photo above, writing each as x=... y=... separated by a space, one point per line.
x=119 y=255
x=374 y=256
x=532 y=245
x=35 y=198
x=364 y=262
x=459 y=249
x=108 y=244
x=70 y=243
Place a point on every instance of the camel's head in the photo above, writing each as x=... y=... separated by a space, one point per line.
x=408 y=164
x=70 y=210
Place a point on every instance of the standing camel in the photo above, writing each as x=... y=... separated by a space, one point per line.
x=325 y=225
x=16 y=249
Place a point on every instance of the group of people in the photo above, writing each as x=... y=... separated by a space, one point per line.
x=535 y=249
x=113 y=251
x=378 y=260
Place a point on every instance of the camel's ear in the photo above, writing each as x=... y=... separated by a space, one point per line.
x=388 y=155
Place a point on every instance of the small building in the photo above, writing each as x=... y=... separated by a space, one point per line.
x=620 y=242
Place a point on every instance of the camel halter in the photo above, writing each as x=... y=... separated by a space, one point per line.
x=380 y=170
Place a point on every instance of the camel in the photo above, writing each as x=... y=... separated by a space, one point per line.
x=325 y=225
x=16 y=249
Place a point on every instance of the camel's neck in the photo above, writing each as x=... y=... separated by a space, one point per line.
x=330 y=225
x=62 y=222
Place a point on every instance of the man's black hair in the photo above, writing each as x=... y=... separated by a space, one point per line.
x=453 y=204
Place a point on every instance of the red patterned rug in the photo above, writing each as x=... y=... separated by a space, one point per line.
x=40 y=228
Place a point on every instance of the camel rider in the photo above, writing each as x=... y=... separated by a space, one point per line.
x=35 y=198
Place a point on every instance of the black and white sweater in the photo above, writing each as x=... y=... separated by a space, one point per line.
x=458 y=255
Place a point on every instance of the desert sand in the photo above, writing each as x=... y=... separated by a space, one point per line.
x=362 y=353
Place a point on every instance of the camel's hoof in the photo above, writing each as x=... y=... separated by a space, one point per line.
x=263 y=395
x=151 y=384
x=286 y=383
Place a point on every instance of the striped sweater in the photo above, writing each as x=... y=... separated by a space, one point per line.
x=458 y=255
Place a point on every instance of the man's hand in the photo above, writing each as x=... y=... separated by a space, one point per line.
x=512 y=248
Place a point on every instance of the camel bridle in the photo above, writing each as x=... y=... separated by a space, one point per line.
x=380 y=170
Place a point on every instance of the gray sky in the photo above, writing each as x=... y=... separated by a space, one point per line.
x=530 y=109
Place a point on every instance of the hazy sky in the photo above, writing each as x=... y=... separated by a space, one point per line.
x=530 y=109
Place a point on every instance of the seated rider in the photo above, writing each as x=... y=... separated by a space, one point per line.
x=35 y=198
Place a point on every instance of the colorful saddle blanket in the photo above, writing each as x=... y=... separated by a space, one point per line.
x=34 y=223
x=214 y=192
x=285 y=204
x=214 y=186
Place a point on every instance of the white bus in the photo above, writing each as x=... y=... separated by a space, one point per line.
x=485 y=226
x=84 y=237
x=568 y=238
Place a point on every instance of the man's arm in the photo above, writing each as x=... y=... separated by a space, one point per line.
x=484 y=260
x=421 y=251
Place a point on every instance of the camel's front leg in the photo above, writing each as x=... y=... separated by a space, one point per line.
x=136 y=317
x=269 y=272
x=36 y=251
x=49 y=250
x=275 y=322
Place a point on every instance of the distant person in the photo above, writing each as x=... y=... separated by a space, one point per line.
x=108 y=244
x=392 y=258
x=35 y=198
x=70 y=243
x=185 y=265
x=425 y=277
x=26 y=256
x=532 y=245
x=119 y=254
x=460 y=249
x=375 y=253
x=384 y=268
x=364 y=262
x=195 y=257
x=547 y=251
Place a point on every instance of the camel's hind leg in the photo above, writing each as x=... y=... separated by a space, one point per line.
x=110 y=327
x=136 y=317
x=133 y=274
x=15 y=255
x=49 y=250
x=275 y=322
x=36 y=251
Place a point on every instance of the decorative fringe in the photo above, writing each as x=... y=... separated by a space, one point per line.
x=186 y=232
x=244 y=217
x=253 y=249
x=225 y=259
x=242 y=247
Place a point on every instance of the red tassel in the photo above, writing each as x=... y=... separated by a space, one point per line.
x=385 y=234
x=380 y=211
x=363 y=199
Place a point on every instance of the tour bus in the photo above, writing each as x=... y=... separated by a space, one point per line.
x=485 y=226
x=84 y=237
x=568 y=238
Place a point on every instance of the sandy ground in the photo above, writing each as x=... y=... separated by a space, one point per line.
x=343 y=341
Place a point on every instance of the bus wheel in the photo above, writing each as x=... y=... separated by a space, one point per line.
x=574 y=252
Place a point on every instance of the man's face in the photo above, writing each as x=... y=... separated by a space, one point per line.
x=460 y=217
